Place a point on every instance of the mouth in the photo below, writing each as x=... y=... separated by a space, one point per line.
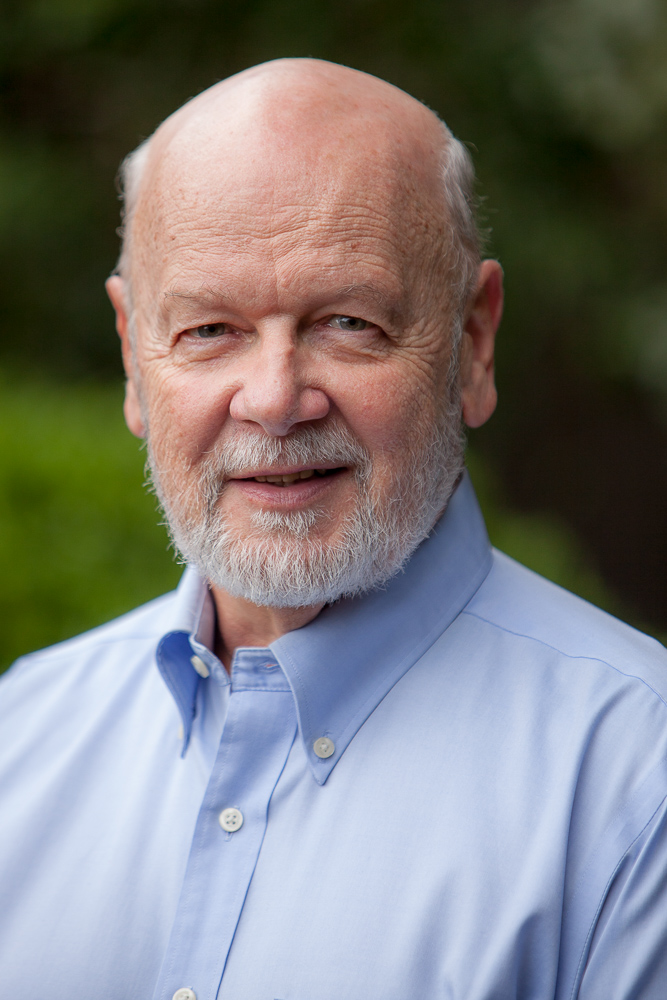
x=282 y=479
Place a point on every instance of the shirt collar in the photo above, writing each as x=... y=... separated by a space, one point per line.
x=342 y=664
x=190 y=641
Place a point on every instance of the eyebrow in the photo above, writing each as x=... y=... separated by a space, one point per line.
x=364 y=289
x=205 y=292
x=210 y=293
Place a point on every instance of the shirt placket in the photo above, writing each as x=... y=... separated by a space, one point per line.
x=258 y=733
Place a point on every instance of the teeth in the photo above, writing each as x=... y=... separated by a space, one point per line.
x=283 y=480
x=290 y=478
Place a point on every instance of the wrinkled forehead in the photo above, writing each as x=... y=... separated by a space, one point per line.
x=276 y=173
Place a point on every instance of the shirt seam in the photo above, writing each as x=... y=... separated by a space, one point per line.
x=238 y=688
x=578 y=974
x=51 y=653
x=562 y=652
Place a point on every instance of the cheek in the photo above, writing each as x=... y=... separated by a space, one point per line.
x=386 y=410
x=185 y=413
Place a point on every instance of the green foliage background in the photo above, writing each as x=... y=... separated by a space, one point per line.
x=566 y=105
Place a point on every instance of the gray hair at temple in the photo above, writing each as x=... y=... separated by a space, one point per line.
x=464 y=239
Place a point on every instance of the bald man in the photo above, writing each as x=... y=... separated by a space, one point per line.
x=357 y=755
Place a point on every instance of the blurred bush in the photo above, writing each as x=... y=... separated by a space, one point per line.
x=79 y=536
x=566 y=103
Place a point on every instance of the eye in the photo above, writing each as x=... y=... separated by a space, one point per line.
x=209 y=330
x=350 y=323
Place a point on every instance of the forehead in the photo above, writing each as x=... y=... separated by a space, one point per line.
x=347 y=206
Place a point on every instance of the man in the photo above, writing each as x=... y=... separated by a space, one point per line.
x=356 y=754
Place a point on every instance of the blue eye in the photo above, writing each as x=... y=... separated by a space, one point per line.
x=351 y=323
x=209 y=330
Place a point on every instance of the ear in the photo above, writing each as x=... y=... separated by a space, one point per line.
x=115 y=287
x=478 y=390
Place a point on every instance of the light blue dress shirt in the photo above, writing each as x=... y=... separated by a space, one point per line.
x=451 y=789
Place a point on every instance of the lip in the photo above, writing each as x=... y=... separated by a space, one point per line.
x=297 y=494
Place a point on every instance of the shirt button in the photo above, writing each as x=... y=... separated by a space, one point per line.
x=185 y=993
x=323 y=747
x=199 y=666
x=230 y=820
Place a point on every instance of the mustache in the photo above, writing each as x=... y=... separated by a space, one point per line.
x=244 y=452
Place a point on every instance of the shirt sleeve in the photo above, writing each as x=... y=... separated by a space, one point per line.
x=627 y=957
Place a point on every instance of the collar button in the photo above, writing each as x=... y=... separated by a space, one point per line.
x=199 y=666
x=324 y=747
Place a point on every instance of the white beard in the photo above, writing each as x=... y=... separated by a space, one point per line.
x=282 y=563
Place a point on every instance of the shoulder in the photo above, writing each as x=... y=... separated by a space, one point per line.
x=541 y=618
x=111 y=649
x=85 y=710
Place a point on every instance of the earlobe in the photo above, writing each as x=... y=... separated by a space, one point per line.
x=132 y=410
x=478 y=390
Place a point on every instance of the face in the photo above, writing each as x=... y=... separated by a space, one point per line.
x=294 y=372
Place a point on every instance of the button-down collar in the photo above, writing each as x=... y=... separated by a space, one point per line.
x=193 y=635
x=342 y=664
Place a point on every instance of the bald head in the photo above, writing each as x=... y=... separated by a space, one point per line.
x=309 y=132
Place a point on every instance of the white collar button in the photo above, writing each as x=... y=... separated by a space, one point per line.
x=199 y=666
x=323 y=747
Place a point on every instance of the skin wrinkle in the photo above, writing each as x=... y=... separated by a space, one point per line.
x=222 y=294
x=341 y=213
x=265 y=194
x=214 y=294
x=185 y=309
x=435 y=143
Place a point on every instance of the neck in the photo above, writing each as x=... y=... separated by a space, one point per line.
x=241 y=623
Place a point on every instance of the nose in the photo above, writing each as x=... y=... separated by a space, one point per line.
x=275 y=391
